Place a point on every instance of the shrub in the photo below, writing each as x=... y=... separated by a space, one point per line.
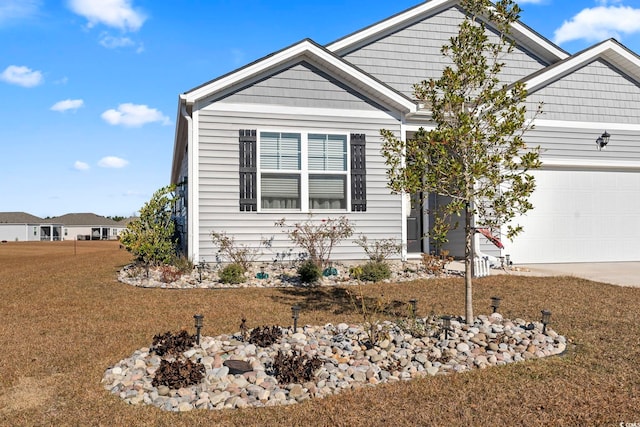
x=232 y=273
x=183 y=264
x=264 y=336
x=318 y=237
x=295 y=368
x=379 y=250
x=150 y=238
x=375 y=271
x=436 y=264
x=178 y=374
x=169 y=273
x=172 y=344
x=236 y=253
x=309 y=272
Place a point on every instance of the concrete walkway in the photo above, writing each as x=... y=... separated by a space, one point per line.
x=615 y=273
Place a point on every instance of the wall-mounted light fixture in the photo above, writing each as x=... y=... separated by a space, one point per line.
x=602 y=140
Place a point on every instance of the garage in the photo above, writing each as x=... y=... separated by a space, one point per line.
x=581 y=216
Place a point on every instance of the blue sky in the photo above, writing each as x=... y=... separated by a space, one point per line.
x=89 y=88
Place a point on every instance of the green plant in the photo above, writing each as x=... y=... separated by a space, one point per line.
x=379 y=250
x=150 y=238
x=318 y=237
x=355 y=272
x=375 y=271
x=232 y=273
x=475 y=156
x=309 y=272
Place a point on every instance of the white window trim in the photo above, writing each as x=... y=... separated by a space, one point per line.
x=304 y=171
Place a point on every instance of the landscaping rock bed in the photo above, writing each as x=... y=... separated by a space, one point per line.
x=348 y=361
x=279 y=276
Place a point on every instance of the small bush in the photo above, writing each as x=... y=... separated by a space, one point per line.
x=295 y=368
x=182 y=263
x=178 y=374
x=264 y=336
x=232 y=273
x=375 y=271
x=379 y=250
x=169 y=273
x=172 y=344
x=309 y=272
x=436 y=264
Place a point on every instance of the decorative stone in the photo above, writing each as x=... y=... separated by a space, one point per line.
x=237 y=367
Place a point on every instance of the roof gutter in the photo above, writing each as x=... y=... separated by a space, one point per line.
x=192 y=210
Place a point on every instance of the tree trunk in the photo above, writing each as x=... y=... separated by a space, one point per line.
x=468 y=265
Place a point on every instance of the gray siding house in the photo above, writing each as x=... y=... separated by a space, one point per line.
x=24 y=227
x=297 y=133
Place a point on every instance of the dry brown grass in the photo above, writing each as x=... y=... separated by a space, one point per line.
x=64 y=319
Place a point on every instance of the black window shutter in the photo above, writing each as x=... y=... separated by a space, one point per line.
x=358 y=173
x=248 y=170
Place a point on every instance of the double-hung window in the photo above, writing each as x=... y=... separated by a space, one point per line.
x=300 y=171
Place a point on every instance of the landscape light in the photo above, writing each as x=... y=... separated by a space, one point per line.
x=198 y=323
x=495 y=303
x=414 y=307
x=295 y=314
x=446 y=325
x=546 y=319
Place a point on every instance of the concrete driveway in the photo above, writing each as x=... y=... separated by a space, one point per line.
x=615 y=273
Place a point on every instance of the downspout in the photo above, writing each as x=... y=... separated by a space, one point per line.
x=404 y=208
x=192 y=207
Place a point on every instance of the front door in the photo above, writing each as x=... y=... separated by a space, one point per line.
x=414 y=225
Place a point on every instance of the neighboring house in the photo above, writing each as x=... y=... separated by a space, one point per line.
x=89 y=226
x=24 y=227
x=297 y=133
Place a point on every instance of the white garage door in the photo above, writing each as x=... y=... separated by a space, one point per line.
x=581 y=216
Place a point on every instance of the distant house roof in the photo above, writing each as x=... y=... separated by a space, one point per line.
x=20 y=218
x=85 y=219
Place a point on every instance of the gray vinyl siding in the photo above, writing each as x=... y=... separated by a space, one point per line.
x=412 y=54
x=596 y=92
x=302 y=85
x=580 y=144
x=219 y=187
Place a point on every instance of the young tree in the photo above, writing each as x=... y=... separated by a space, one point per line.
x=475 y=155
x=151 y=236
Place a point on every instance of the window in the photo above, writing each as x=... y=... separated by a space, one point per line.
x=303 y=171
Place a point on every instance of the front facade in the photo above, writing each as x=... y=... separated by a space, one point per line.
x=298 y=133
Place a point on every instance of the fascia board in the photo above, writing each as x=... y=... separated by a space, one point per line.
x=301 y=50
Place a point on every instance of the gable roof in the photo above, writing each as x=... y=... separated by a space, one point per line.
x=85 y=219
x=20 y=218
x=610 y=51
x=521 y=33
x=309 y=51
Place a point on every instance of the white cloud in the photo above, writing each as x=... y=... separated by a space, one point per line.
x=112 y=162
x=599 y=23
x=112 y=13
x=67 y=104
x=81 y=166
x=111 y=42
x=132 y=115
x=13 y=10
x=21 y=76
